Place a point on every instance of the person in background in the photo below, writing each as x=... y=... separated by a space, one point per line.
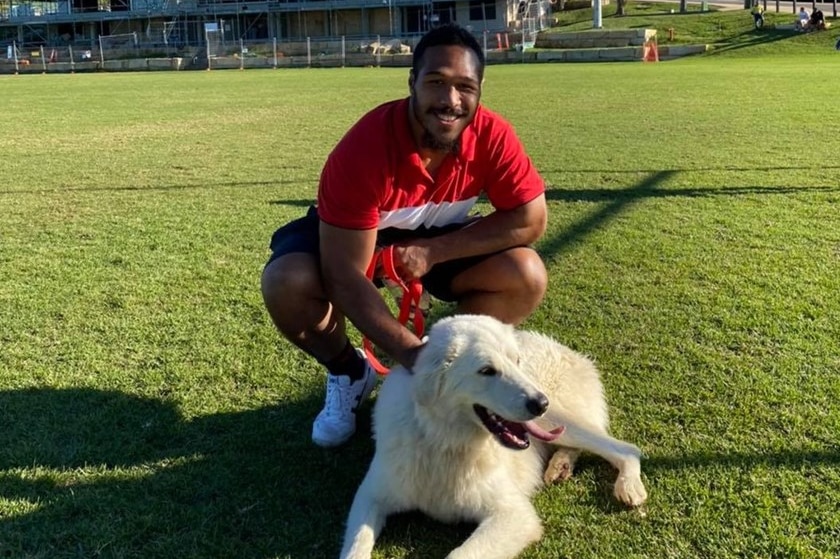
x=757 y=12
x=802 y=19
x=817 y=20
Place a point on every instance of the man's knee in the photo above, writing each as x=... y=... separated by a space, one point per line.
x=534 y=276
x=517 y=272
x=290 y=280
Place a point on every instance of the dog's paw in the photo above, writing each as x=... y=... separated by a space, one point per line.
x=561 y=466
x=630 y=490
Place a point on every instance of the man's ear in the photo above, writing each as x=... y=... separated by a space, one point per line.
x=411 y=80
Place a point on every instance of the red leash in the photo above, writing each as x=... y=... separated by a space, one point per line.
x=411 y=294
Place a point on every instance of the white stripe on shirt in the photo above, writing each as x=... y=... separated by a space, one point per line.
x=427 y=215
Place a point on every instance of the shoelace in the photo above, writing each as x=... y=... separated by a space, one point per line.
x=337 y=405
x=411 y=299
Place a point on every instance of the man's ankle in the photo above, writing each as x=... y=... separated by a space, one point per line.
x=347 y=362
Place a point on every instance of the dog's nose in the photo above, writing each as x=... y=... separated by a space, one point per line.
x=537 y=405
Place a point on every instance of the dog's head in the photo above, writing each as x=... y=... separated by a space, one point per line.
x=470 y=367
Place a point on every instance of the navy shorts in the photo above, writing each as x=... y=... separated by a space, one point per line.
x=301 y=235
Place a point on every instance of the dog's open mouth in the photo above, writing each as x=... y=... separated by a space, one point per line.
x=512 y=434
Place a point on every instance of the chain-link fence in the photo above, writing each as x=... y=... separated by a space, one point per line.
x=130 y=52
x=374 y=51
x=46 y=59
x=124 y=54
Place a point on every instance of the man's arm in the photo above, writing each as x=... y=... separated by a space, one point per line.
x=498 y=231
x=345 y=256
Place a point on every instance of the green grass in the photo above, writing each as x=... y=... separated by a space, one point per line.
x=149 y=410
x=728 y=31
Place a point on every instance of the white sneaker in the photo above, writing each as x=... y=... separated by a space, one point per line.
x=337 y=421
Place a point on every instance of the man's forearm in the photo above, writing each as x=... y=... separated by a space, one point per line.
x=494 y=233
x=364 y=306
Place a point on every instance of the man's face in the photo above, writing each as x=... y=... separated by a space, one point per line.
x=444 y=96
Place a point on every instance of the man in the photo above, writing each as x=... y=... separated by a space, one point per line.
x=408 y=174
x=817 y=20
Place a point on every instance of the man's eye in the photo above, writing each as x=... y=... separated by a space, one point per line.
x=488 y=371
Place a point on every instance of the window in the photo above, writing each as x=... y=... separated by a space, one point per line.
x=482 y=10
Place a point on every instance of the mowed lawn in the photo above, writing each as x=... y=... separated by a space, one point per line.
x=148 y=409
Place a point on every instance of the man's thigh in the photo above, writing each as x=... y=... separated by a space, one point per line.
x=438 y=281
x=300 y=235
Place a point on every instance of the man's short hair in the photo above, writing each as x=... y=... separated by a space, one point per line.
x=449 y=34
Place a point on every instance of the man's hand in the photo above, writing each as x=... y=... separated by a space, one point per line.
x=493 y=233
x=413 y=261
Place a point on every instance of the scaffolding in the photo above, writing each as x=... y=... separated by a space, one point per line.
x=182 y=22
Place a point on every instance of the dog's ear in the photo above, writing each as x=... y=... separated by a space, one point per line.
x=430 y=368
x=427 y=388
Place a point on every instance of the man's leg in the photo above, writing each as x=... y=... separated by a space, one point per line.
x=297 y=303
x=508 y=285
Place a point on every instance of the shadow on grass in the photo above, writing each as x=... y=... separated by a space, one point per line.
x=553 y=245
x=752 y=39
x=620 y=200
x=88 y=473
x=293 y=203
x=165 y=187
x=603 y=194
x=789 y=459
x=92 y=473
x=796 y=168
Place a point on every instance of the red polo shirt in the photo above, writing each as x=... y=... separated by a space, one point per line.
x=374 y=177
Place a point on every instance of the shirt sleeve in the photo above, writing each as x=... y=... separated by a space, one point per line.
x=351 y=181
x=513 y=181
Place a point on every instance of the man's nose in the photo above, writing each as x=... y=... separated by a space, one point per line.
x=450 y=96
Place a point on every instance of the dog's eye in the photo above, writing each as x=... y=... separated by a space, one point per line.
x=488 y=371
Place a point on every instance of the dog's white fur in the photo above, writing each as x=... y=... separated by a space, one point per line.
x=434 y=454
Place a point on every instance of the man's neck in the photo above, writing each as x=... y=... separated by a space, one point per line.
x=432 y=159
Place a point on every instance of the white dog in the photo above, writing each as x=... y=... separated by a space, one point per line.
x=453 y=436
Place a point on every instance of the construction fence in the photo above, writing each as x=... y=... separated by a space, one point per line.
x=126 y=53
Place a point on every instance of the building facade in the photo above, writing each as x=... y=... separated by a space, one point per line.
x=151 y=23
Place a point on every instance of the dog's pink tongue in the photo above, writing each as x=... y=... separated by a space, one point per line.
x=541 y=433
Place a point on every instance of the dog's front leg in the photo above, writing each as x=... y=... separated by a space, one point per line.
x=628 y=488
x=502 y=535
x=366 y=519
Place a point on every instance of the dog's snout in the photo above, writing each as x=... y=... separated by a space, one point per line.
x=537 y=405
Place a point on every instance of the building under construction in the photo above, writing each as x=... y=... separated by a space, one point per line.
x=57 y=23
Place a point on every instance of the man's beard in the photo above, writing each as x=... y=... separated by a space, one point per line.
x=429 y=141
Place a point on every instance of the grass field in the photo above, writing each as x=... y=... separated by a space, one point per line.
x=149 y=410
